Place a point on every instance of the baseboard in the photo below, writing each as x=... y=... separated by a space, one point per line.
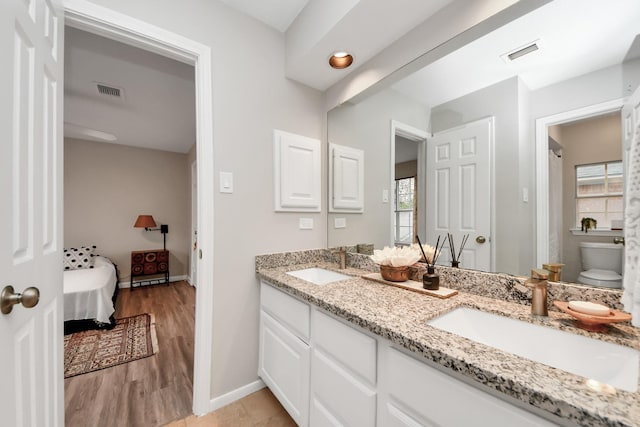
x=127 y=283
x=232 y=396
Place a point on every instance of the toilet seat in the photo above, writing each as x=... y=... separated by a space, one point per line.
x=604 y=278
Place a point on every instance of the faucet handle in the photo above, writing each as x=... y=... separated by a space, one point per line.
x=539 y=274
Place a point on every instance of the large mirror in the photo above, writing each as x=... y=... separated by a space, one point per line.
x=486 y=141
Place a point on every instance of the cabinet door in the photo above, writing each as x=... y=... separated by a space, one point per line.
x=337 y=397
x=284 y=367
x=418 y=393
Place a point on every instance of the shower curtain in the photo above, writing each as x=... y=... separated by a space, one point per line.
x=631 y=294
x=555 y=207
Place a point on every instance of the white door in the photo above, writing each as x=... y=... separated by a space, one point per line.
x=459 y=191
x=31 y=40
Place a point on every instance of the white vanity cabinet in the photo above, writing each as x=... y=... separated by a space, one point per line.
x=284 y=350
x=343 y=374
x=415 y=394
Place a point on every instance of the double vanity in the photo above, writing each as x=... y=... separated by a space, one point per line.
x=337 y=349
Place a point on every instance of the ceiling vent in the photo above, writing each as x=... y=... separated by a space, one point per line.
x=111 y=91
x=521 y=51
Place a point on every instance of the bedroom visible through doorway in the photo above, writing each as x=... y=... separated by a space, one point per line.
x=128 y=155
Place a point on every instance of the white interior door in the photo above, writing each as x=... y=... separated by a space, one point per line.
x=459 y=191
x=31 y=40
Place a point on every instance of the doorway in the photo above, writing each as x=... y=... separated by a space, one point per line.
x=543 y=201
x=123 y=28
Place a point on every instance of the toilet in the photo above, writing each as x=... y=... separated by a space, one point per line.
x=601 y=264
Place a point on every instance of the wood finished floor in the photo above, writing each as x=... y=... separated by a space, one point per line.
x=148 y=392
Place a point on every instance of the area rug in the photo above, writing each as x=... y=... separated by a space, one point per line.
x=132 y=338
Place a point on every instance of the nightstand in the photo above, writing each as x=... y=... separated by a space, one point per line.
x=153 y=264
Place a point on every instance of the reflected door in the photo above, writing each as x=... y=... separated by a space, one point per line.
x=459 y=191
x=31 y=31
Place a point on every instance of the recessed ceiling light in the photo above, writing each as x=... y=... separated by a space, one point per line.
x=340 y=60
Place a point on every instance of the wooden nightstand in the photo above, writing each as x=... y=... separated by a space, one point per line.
x=152 y=263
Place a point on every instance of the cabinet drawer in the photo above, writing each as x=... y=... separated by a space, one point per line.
x=353 y=349
x=436 y=398
x=289 y=311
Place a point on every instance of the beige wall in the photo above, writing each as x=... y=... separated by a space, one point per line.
x=106 y=187
x=587 y=141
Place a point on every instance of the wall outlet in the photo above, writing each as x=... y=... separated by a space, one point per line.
x=525 y=194
x=385 y=196
x=340 y=223
x=306 y=224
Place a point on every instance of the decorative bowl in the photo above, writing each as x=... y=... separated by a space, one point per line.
x=394 y=274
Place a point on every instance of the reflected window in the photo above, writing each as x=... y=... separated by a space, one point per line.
x=599 y=189
x=405 y=204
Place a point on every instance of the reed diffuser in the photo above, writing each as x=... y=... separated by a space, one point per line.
x=455 y=258
x=431 y=279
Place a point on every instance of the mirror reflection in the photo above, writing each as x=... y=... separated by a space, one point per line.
x=512 y=139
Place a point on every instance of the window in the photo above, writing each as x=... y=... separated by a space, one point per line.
x=404 y=210
x=599 y=193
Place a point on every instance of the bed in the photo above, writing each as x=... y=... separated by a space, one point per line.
x=89 y=295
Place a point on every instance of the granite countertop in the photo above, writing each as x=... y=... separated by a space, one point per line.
x=400 y=316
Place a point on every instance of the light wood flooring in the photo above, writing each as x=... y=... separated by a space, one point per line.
x=147 y=392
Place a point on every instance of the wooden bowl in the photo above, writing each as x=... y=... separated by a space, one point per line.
x=590 y=322
x=394 y=274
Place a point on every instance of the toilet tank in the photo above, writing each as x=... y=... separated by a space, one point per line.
x=603 y=256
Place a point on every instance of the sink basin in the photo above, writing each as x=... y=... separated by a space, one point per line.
x=319 y=276
x=597 y=360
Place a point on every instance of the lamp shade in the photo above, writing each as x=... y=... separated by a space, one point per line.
x=144 y=221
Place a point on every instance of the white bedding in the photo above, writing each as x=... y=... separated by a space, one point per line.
x=88 y=293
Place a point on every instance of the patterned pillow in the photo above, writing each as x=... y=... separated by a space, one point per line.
x=75 y=259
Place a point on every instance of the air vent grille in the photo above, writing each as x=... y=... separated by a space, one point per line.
x=109 y=90
x=522 y=51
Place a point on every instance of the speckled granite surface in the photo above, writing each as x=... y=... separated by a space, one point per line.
x=400 y=316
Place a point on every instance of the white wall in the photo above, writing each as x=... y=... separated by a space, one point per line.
x=367 y=126
x=251 y=98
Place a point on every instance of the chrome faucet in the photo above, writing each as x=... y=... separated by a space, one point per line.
x=539 y=294
x=342 y=253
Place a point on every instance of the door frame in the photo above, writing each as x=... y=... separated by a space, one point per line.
x=419 y=136
x=542 y=165
x=123 y=28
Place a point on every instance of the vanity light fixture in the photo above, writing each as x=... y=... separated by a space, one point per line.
x=340 y=60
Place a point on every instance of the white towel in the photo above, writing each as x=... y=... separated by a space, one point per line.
x=631 y=281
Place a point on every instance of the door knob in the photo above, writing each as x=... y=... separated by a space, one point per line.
x=481 y=239
x=8 y=298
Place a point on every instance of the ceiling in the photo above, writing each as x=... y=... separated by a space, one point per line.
x=157 y=106
x=157 y=109
x=576 y=37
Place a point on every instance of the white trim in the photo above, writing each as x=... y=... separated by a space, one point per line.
x=108 y=23
x=600 y=233
x=127 y=283
x=542 y=166
x=419 y=136
x=237 y=394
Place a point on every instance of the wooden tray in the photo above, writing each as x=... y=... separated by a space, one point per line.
x=590 y=322
x=412 y=285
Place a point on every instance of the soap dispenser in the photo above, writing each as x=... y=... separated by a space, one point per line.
x=538 y=282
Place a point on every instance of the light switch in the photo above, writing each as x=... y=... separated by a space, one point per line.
x=340 y=223
x=226 y=182
x=385 y=196
x=306 y=224
x=525 y=194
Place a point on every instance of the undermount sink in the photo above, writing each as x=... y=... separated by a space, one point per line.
x=319 y=276
x=597 y=360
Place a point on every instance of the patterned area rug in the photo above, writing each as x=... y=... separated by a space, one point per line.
x=131 y=339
